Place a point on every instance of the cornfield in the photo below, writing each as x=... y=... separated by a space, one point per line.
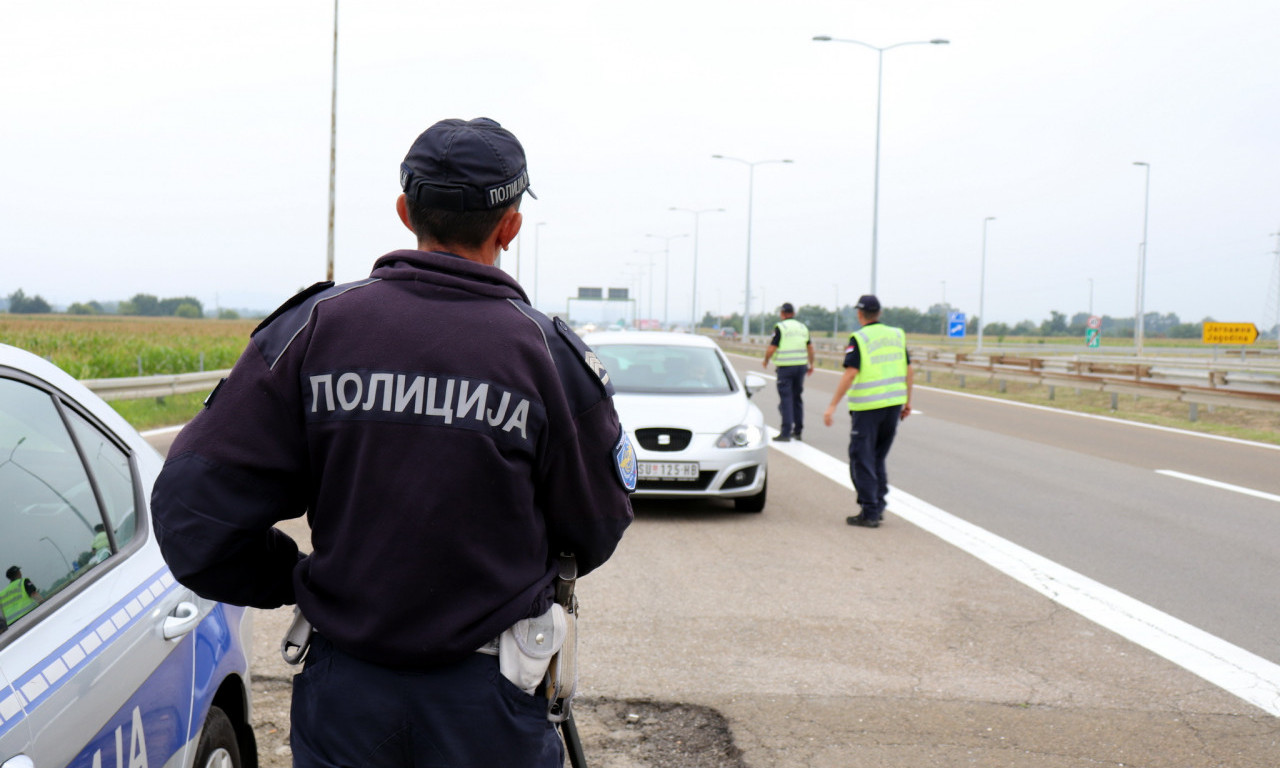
x=104 y=346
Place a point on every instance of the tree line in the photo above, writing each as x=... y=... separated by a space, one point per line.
x=142 y=305
x=933 y=321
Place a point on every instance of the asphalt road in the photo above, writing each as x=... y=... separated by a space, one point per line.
x=823 y=645
x=1086 y=493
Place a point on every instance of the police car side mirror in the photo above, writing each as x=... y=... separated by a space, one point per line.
x=754 y=382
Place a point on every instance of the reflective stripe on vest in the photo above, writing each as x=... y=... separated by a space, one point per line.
x=793 y=344
x=882 y=378
x=14 y=600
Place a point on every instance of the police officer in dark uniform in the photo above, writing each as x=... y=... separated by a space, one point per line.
x=445 y=440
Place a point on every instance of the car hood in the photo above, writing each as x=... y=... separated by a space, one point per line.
x=711 y=414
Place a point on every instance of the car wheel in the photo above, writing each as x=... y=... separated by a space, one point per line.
x=218 y=745
x=752 y=503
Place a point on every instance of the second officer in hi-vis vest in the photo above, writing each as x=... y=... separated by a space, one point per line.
x=791 y=350
x=877 y=385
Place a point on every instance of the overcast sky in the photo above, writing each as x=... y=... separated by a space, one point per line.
x=182 y=148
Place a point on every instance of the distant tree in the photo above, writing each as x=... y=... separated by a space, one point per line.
x=817 y=318
x=1186 y=331
x=1056 y=325
x=170 y=306
x=228 y=314
x=82 y=309
x=1025 y=328
x=188 y=310
x=21 y=304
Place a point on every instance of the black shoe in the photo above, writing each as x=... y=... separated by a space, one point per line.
x=863 y=521
x=782 y=439
x=796 y=436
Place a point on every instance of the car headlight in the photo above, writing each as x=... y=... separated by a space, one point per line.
x=741 y=436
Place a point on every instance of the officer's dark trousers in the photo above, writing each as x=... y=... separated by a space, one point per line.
x=790 y=402
x=350 y=713
x=870 y=438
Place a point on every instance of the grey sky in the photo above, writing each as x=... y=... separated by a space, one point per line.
x=182 y=148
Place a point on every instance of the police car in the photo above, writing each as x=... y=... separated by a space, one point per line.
x=105 y=660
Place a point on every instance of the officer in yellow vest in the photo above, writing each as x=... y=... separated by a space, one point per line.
x=791 y=350
x=877 y=385
x=19 y=597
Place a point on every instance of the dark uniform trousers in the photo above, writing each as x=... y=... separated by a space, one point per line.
x=347 y=712
x=790 y=402
x=870 y=438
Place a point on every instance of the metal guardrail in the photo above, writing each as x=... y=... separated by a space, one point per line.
x=1195 y=381
x=137 y=387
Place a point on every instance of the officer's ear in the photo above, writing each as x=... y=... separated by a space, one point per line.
x=508 y=227
x=402 y=208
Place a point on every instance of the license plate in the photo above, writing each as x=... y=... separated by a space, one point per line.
x=668 y=470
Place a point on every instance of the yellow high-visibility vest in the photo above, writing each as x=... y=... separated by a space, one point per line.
x=882 y=378
x=14 y=600
x=793 y=343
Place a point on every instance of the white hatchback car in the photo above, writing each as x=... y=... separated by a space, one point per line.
x=695 y=431
x=105 y=660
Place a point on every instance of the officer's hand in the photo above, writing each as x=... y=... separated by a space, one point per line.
x=906 y=411
x=764 y=363
x=809 y=372
x=826 y=416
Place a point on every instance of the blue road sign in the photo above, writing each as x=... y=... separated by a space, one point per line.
x=955 y=325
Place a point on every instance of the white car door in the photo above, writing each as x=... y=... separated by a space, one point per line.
x=101 y=664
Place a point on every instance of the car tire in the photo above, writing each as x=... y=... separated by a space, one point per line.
x=752 y=503
x=218 y=747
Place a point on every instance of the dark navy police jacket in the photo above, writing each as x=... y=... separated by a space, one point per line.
x=445 y=441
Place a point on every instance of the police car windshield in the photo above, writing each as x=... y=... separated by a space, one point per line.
x=655 y=369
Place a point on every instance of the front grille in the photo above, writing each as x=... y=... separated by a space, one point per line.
x=652 y=438
x=657 y=484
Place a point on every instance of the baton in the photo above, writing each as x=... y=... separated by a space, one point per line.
x=573 y=743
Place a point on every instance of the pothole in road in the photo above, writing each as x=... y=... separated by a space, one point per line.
x=615 y=733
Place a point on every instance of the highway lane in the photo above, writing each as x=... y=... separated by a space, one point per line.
x=1085 y=493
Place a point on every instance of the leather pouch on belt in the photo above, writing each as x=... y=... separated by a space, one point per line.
x=525 y=650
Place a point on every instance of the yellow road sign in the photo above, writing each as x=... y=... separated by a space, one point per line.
x=1230 y=333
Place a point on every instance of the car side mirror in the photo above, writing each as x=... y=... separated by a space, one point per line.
x=754 y=382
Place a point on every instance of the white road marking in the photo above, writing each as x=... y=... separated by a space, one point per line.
x=1235 y=670
x=1111 y=419
x=1219 y=484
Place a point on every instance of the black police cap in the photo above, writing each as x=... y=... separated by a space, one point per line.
x=465 y=165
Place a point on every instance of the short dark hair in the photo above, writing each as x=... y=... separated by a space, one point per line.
x=13 y=572
x=468 y=229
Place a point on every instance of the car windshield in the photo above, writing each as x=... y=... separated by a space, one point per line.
x=658 y=369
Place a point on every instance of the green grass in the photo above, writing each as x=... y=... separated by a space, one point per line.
x=153 y=412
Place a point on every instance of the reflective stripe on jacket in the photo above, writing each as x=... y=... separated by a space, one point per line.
x=14 y=600
x=793 y=343
x=882 y=380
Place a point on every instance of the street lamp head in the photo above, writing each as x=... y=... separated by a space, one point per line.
x=990 y=218
x=788 y=161
x=718 y=157
x=1142 y=163
x=822 y=38
x=939 y=41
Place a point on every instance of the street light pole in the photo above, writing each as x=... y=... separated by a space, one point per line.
x=649 y=267
x=944 y=309
x=751 y=184
x=1138 y=320
x=693 y=306
x=982 y=282
x=875 y=198
x=333 y=141
x=666 y=275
